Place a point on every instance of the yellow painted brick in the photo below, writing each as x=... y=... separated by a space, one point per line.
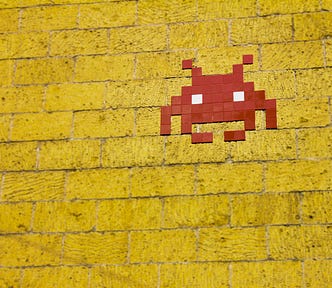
x=303 y=113
x=101 y=183
x=312 y=26
x=316 y=207
x=10 y=277
x=265 y=145
x=267 y=274
x=292 y=55
x=326 y=4
x=314 y=82
x=137 y=93
x=15 y=217
x=248 y=210
x=41 y=126
x=69 y=154
x=21 y=99
x=210 y=9
x=107 y=14
x=287 y=6
x=162 y=181
x=134 y=151
x=75 y=277
x=9 y=20
x=49 y=18
x=4 y=127
x=199 y=35
x=101 y=68
x=18 y=156
x=262 y=30
x=64 y=216
x=198 y=211
x=30 y=250
x=23 y=3
x=126 y=276
x=300 y=242
x=6 y=72
x=166 y=11
x=78 y=1
x=328 y=48
x=129 y=214
x=162 y=65
x=96 y=248
x=79 y=42
x=31 y=186
x=230 y=178
x=232 y=244
x=212 y=275
x=315 y=142
x=138 y=39
x=180 y=150
x=83 y=96
x=299 y=176
x=110 y=123
x=42 y=71
x=317 y=273
x=148 y=121
x=163 y=246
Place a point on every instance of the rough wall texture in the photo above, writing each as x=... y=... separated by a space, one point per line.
x=92 y=196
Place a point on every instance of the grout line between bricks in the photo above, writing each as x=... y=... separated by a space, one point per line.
x=2 y=183
x=33 y=212
x=230 y=275
x=267 y=241
x=158 y=275
x=21 y=277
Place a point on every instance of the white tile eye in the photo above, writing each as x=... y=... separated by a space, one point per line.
x=238 y=96
x=197 y=99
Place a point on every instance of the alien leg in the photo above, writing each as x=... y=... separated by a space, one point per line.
x=165 y=121
x=271 y=114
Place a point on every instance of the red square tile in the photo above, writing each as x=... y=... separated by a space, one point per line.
x=176 y=109
x=187 y=64
x=248 y=59
x=196 y=71
x=165 y=129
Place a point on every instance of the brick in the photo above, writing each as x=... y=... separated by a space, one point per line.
x=125 y=276
x=299 y=176
x=262 y=30
x=315 y=142
x=30 y=250
x=138 y=39
x=300 y=242
x=33 y=186
x=101 y=68
x=289 y=6
x=163 y=246
x=79 y=42
x=317 y=273
x=316 y=207
x=198 y=211
x=199 y=35
x=15 y=217
x=110 y=123
x=49 y=18
x=303 y=113
x=265 y=145
x=96 y=248
x=267 y=274
x=231 y=244
x=137 y=93
x=147 y=121
x=82 y=96
x=64 y=216
x=10 y=277
x=4 y=127
x=41 y=126
x=230 y=178
x=209 y=9
x=252 y=210
x=69 y=154
x=21 y=99
x=131 y=214
x=6 y=72
x=18 y=156
x=107 y=14
x=136 y=151
x=150 y=12
x=212 y=275
x=292 y=55
x=312 y=26
x=328 y=44
x=9 y=20
x=43 y=71
x=163 y=181
x=180 y=150
x=75 y=277
x=101 y=183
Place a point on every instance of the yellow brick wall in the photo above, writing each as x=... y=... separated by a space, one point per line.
x=92 y=196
